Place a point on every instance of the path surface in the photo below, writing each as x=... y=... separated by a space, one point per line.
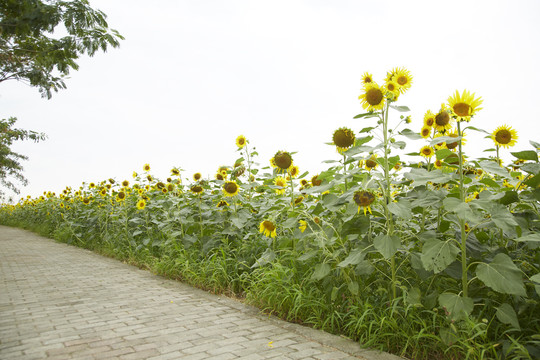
x=62 y=302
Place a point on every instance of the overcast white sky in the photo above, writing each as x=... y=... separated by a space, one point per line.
x=193 y=75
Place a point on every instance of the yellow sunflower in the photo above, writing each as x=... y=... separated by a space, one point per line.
x=315 y=181
x=197 y=176
x=427 y=151
x=429 y=119
x=392 y=88
x=454 y=145
x=175 y=172
x=125 y=183
x=443 y=120
x=121 y=196
x=364 y=199
x=402 y=77
x=303 y=225
x=241 y=141
x=282 y=160
x=464 y=106
x=282 y=182
x=343 y=138
x=222 y=203
x=146 y=167
x=373 y=97
x=219 y=176
x=438 y=164
x=294 y=171
x=141 y=204
x=425 y=132
x=197 y=189
x=371 y=163
x=268 y=228
x=230 y=188
x=504 y=136
x=367 y=78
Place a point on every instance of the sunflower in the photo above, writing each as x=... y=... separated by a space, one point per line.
x=438 y=164
x=402 y=77
x=223 y=173
x=241 y=141
x=222 y=203
x=372 y=98
x=268 y=228
x=135 y=174
x=343 y=138
x=282 y=160
x=453 y=145
x=367 y=78
x=149 y=177
x=92 y=185
x=427 y=151
x=197 y=176
x=146 y=167
x=443 y=120
x=141 y=204
x=504 y=136
x=175 y=172
x=425 y=132
x=121 y=196
x=230 y=188
x=103 y=191
x=392 y=88
x=294 y=171
x=280 y=181
x=304 y=183
x=219 y=176
x=371 y=163
x=86 y=201
x=298 y=200
x=303 y=225
x=364 y=199
x=464 y=106
x=125 y=183
x=197 y=189
x=315 y=181
x=429 y=118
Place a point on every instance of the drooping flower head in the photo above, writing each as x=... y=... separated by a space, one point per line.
x=364 y=199
x=197 y=176
x=504 y=136
x=464 y=105
x=315 y=181
x=371 y=163
x=197 y=189
x=343 y=139
x=443 y=120
x=175 y=172
x=282 y=160
x=268 y=228
x=373 y=97
x=230 y=188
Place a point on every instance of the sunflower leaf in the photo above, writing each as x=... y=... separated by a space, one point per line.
x=494 y=168
x=411 y=134
x=366 y=115
x=321 y=270
x=502 y=275
x=443 y=154
x=476 y=129
x=536 y=280
x=387 y=245
x=533 y=182
x=448 y=139
x=507 y=315
x=438 y=255
x=400 y=108
x=458 y=307
x=526 y=155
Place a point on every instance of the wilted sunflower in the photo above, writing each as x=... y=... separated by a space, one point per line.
x=367 y=78
x=429 y=119
x=197 y=176
x=175 y=172
x=146 y=167
x=372 y=98
x=315 y=181
x=230 y=188
x=268 y=228
x=425 y=132
x=197 y=189
x=371 y=163
x=443 y=120
x=303 y=225
x=241 y=141
x=427 y=151
x=282 y=160
x=343 y=138
x=280 y=181
x=219 y=176
x=141 y=204
x=464 y=106
x=222 y=203
x=364 y=199
x=304 y=183
x=504 y=136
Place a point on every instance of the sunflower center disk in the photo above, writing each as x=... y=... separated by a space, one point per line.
x=462 y=109
x=343 y=138
x=283 y=160
x=374 y=97
x=364 y=198
x=503 y=136
x=442 y=118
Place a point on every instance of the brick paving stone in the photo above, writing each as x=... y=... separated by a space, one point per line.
x=62 y=302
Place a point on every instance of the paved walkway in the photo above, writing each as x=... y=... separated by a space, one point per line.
x=63 y=302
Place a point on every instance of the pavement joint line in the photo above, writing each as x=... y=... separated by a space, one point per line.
x=59 y=301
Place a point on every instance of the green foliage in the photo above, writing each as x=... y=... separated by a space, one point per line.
x=30 y=52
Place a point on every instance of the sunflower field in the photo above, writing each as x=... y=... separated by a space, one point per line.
x=437 y=259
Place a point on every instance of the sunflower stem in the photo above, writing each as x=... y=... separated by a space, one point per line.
x=462 y=194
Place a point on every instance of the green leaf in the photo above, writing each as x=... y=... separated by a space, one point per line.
x=366 y=115
x=526 y=155
x=422 y=177
x=535 y=144
x=458 y=307
x=532 y=240
x=531 y=168
x=413 y=296
x=267 y=257
x=533 y=182
x=443 y=154
x=536 y=280
x=493 y=168
x=400 y=108
x=447 y=139
x=507 y=315
x=367 y=129
x=490 y=182
x=476 y=129
x=353 y=287
x=363 y=140
x=503 y=218
x=437 y=254
x=354 y=258
x=401 y=209
x=411 y=134
x=502 y=275
x=456 y=205
x=387 y=245
x=321 y=270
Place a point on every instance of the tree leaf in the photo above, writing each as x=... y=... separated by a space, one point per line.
x=459 y=308
x=502 y=275
x=437 y=254
x=507 y=315
x=387 y=245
